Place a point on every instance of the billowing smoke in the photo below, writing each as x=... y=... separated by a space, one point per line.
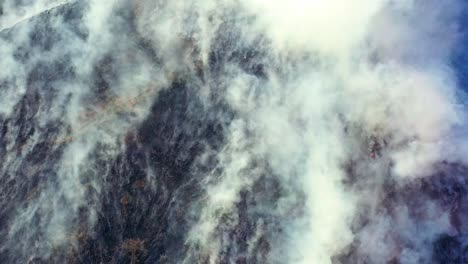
x=232 y=131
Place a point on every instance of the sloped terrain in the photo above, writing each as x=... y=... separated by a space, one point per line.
x=230 y=132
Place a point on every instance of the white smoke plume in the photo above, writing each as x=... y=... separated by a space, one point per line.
x=380 y=66
x=341 y=103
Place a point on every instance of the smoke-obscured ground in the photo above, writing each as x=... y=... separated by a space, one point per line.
x=233 y=131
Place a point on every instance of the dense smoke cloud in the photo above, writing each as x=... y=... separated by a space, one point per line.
x=334 y=124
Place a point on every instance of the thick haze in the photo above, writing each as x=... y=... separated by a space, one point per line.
x=348 y=112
